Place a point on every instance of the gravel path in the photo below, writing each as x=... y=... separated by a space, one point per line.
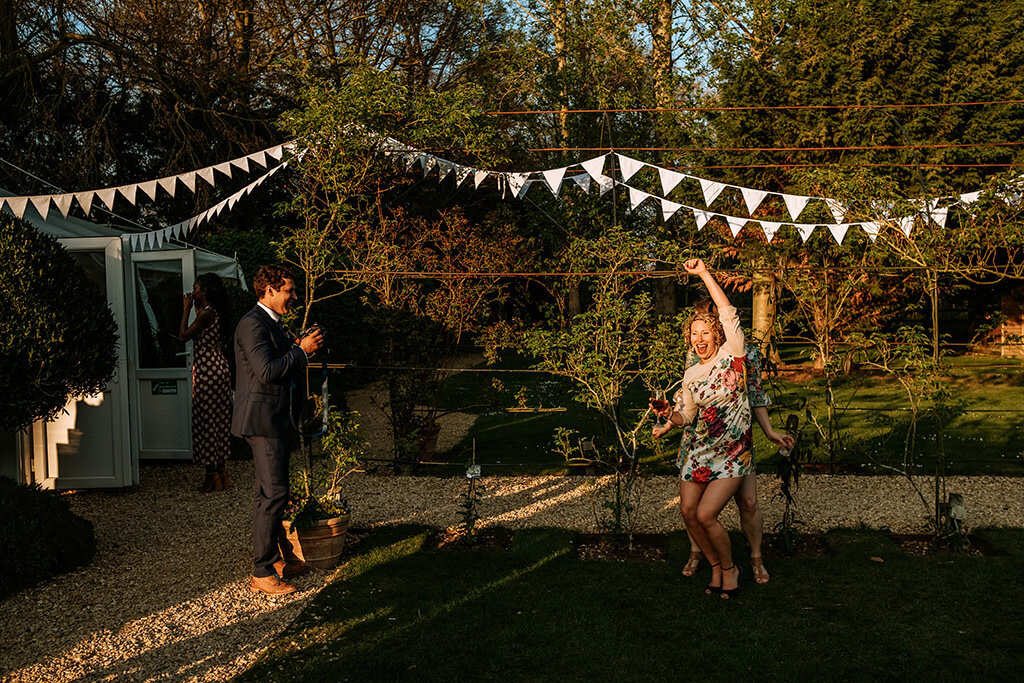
x=167 y=595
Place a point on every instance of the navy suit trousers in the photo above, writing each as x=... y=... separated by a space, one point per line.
x=270 y=459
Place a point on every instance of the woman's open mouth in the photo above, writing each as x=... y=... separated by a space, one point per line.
x=702 y=349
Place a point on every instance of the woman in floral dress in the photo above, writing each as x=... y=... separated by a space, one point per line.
x=719 y=448
x=211 y=378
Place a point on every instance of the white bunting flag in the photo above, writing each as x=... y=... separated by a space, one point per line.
x=595 y=167
x=770 y=228
x=429 y=162
x=628 y=167
x=443 y=169
x=516 y=181
x=242 y=164
x=752 y=198
x=906 y=224
x=85 y=201
x=129 y=192
x=839 y=232
x=711 y=191
x=524 y=188
x=107 y=196
x=583 y=180
x=224 y=168
x=133 y=241
x=669 y=180
x=795 y=204
x=18 y=205
x=63 y=203
x=668 y=209
x=461 y=173
x=939 y=216
x=636 y=197
x=554 y=179
x=188 y=180
x=871 y=228
x=605 y=183
x=478 y=177
x=276 y=152
x=149 y=189
x=159 y=237
x=207 y=175
x=735 y=224
x=805 y=230
x=837 y=209
x=410 y=160
x=702 y=217
x=970 y=197
x=232 y=200
x=258 y=158
x=42 y=204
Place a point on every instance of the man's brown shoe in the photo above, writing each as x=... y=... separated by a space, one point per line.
x=271 y=585
x=289 y=570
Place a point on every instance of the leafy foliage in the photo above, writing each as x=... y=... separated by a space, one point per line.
x=316 y=485
x=58 y=339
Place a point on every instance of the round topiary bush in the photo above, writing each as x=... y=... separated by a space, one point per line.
x=58 y=338
x=40 y=536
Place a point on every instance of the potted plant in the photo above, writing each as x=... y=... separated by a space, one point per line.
x=317 y=515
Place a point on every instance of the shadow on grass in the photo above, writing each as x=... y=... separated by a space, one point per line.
x=399 y=612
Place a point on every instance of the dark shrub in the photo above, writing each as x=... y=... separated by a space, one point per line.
x=40 y=537
x=58 y=339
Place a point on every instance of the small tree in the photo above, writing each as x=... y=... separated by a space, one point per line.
x=58 y=339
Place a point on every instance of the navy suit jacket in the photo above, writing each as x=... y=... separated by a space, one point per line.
x=266 y=364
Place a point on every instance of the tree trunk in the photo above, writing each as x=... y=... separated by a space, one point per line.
x=764 y=310
x=665 y=297
x=558 y=22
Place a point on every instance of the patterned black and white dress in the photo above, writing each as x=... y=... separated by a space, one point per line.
x=211 y=397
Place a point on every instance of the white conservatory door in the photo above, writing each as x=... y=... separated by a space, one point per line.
x=88 y=446
x=161 y=365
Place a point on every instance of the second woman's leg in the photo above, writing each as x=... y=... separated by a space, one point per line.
x=752 y=521
x=716 y=495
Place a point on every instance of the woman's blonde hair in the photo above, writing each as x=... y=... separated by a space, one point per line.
x=712 y=322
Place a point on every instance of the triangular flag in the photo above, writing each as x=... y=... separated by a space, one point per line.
x=516 y=181
x=595 y=167
x=85 y=200
x=232 y=200
x=149 y=188
x=871 y=228
x=461 y=173
x=605 y=183
x=554 y=179
x=443 y=169
x=207 y=175
x=129 y=192
x=839 y=231
x=524 y=188
x=702 y=217
x=906 y=224
x=410 y=160
x=669 y=180
x=133 y=241
x=770 y=228
x=583 y=180
x=805 y=230
x=711 y=191
x=276 y=152
x=63 y=203
x=668 y=209
x=188 y=180
x=636 y=197
x=159 y=237
x=107 y=196
x=939 y=216
x=18 y=205
x=429 y=162
x=837 y=209
x=478 y=177
x=735 y=224
x=42 y=204
x=242 y=164
x=628 y=167
x=752 y=198
x=258 y=158
x=224 y=168
x=970 y=197
x=795 y=204
x=148 y=240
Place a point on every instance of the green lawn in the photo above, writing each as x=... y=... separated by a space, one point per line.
x=397 y=611
x=870 y=426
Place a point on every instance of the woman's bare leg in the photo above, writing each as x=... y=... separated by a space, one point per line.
x=716 y=495
x=693 y=563
x=752 y=521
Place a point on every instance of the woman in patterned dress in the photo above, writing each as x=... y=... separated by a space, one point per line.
x=211 y=377
x=751 y=518
x=718 y=451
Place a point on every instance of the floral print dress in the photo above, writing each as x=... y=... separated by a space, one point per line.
x=715 y=399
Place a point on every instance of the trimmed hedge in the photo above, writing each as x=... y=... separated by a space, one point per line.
x=40 y=537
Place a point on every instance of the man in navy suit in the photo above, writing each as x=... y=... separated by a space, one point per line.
x=267 y=364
